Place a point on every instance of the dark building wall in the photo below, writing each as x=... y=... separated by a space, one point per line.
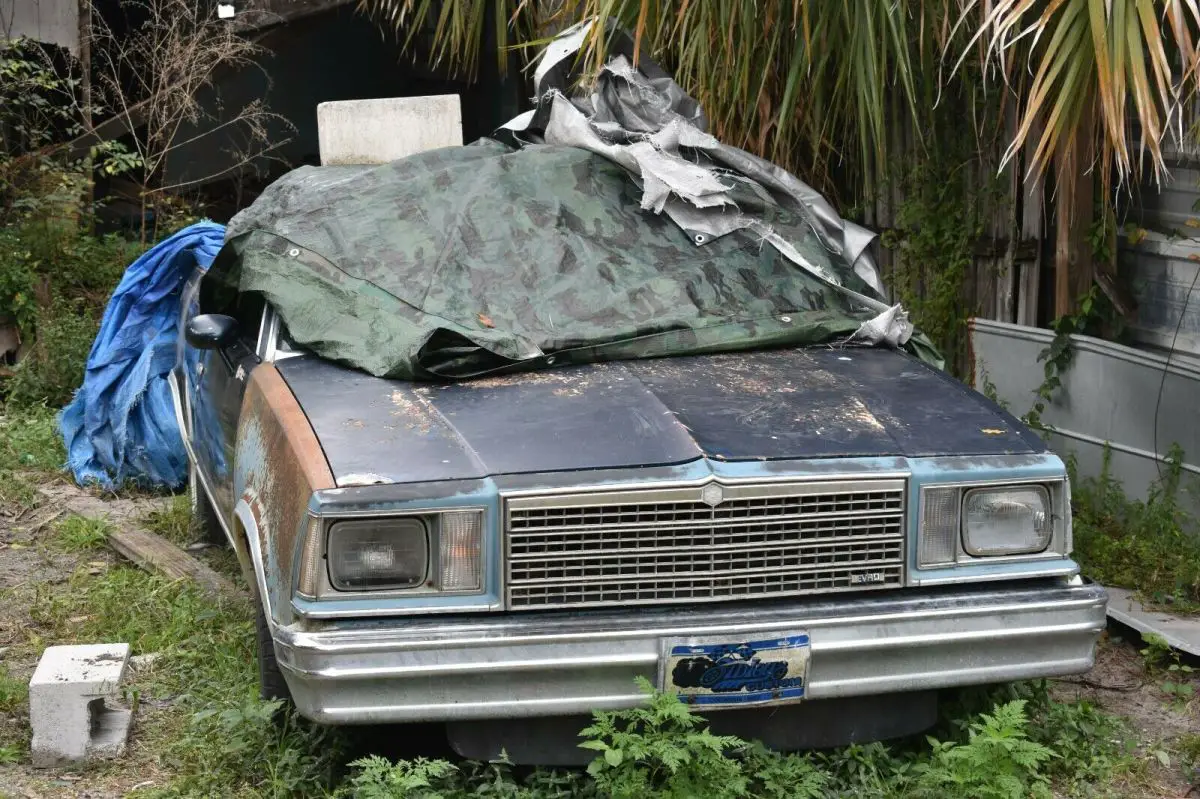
x=333 y=55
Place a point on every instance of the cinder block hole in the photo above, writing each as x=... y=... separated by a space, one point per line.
x=106 y=725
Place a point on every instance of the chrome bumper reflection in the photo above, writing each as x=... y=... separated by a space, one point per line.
x=565 y=663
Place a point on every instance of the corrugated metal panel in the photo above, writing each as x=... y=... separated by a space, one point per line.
x=1162 y=268
x=1164 y=275
x=1110 y=393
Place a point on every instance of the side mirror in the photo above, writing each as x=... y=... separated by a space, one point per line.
x=210 y=331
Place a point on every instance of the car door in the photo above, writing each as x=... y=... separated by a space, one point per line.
x=215 y=380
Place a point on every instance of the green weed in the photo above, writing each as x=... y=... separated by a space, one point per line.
x=254 y=746
x=30 y=441
x=79 y=533
x=1152 y=547
x=661 y=750
x=173 y=522
x=12 y=691
x=53 y=369
x=998 y=761
x=1019 y=748
x=1165 y=663
x=1188 y=747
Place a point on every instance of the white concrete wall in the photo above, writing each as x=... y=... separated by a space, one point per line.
x=379 y=131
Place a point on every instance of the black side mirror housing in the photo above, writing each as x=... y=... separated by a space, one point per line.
x=210 y=331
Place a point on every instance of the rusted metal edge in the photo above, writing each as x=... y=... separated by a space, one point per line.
x=302 y=441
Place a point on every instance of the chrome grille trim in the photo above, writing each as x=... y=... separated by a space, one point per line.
x=661 y=545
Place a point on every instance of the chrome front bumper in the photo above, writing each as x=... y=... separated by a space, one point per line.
x=548 y=664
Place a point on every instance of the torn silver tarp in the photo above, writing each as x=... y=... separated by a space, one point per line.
x=641 y=119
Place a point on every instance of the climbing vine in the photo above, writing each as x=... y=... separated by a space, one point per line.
x=1095 y=313
x=943 y=190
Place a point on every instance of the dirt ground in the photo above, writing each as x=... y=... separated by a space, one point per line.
x=29 y=566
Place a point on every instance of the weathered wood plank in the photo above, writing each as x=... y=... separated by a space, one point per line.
x=131 y=540
x=154 y=552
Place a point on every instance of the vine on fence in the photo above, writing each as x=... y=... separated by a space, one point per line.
x=1095 y=312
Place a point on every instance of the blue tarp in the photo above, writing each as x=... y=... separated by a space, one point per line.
x=121 y=424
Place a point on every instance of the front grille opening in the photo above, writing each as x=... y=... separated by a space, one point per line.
x=589 y=552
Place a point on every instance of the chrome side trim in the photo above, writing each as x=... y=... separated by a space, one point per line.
x=268 y=350
x=242 y=511
x=194 y=469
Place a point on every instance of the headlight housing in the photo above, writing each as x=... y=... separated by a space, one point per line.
x=1006 y=521
x=965 y=523
x=416 y=553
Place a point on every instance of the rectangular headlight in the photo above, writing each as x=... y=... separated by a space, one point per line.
x=1007 y=521
x=378 y=554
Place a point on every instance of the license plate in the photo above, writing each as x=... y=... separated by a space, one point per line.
x=737 y=672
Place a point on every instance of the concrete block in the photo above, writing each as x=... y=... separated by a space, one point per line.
x=379 y=131
x=68 y=704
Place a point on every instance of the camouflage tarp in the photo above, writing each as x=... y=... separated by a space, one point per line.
x=606 y=226
x=467 y=260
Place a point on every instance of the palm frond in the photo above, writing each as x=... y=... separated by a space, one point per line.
x=798 y=81
x=1100 y=68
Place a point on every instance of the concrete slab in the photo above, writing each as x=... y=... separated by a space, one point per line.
x=69 y=708
x=1181 y=632
x=382 y=130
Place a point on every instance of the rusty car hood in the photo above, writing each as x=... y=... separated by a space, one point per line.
x=771 y=405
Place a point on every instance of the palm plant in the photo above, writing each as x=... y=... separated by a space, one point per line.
x=805 y=84
x=808 y=82
x=838 y=91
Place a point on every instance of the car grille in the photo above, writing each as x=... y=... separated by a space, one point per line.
x=671 y=545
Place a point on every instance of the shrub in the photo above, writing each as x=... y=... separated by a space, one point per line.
x=1150 y=546
x=53 y=368
x=998 y=761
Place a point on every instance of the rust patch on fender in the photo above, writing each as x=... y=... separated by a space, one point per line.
x=279 y=464
x=278 y=402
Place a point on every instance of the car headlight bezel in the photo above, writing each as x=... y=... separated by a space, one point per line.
x=455 y=555
x=942 y=538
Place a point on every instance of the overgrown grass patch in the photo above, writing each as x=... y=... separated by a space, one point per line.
x=29 y=440
x=174 y=521
x=1023 y=745
x=146 y=611
x=12 y=691
x=1151 y=546
x=80 y=533
x=219 y=738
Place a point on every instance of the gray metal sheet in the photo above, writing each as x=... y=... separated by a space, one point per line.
x=1180 y=632
x=1110 y=393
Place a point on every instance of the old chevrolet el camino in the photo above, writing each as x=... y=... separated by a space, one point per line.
x=608 y=447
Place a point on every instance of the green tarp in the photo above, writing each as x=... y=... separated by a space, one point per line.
x=471 y=260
